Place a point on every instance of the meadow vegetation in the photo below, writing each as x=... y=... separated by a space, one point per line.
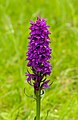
x=60 y=102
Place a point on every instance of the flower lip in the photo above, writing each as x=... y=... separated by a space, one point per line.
x=45 y=84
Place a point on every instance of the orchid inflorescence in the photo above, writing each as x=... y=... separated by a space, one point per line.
x=38 y=55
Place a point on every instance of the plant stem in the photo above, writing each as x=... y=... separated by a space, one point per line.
x=38 y=97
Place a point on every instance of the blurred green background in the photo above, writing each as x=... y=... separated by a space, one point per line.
x=60 y=102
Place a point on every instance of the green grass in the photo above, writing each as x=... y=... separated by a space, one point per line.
x=61 y=100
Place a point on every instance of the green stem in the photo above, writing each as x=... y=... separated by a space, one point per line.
x=38 y=97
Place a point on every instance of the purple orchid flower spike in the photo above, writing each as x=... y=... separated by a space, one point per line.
x=39 y=53
x=38 y=56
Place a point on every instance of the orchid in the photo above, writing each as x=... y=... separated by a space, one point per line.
x=38 y=56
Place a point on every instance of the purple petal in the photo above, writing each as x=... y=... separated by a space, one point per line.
x=45 y=84
x=29 y=79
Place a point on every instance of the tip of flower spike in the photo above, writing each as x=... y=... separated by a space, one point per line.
x=38 y=17
x=31 y=22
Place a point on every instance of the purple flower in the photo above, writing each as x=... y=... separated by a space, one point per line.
x=39 y=54
x=45 y=84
